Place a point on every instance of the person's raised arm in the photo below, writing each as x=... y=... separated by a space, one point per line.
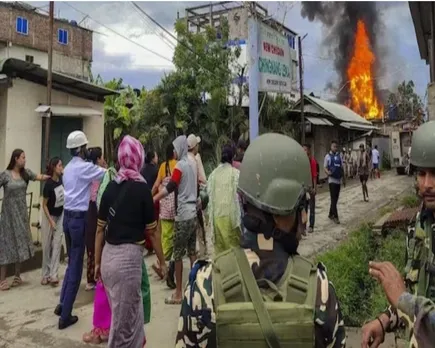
x=36 y=177
x=93 y=172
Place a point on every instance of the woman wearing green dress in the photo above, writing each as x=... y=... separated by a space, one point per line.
x=16 y=245
x=224 y=206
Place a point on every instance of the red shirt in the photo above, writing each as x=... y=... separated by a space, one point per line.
x=313 y=165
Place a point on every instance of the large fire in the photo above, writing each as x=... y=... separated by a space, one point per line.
x=359 y=73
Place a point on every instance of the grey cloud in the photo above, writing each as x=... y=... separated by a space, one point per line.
x=135 y=78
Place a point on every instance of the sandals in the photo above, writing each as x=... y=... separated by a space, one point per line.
x=173 y=301
x=4 y=286
x=96 y=336
x=17 y=281
x=90 y=287
x=45 y=281
x=54 y=282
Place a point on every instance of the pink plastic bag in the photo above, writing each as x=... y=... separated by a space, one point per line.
x=102 y=312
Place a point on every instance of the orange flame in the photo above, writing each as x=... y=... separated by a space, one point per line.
x=359 y=73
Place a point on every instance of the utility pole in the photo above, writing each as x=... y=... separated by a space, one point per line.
x=49 y=83
x=301 y=88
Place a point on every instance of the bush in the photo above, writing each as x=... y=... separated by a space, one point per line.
x=361 y=298
x=411 y=201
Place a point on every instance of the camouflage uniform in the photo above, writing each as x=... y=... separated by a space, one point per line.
x=416 y=309
x=280 y=191
x=416 y=312
x=197 y=322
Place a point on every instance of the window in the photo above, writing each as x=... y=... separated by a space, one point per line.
x=62 y=36
x=29 y=59
x=22 y=26
x=291 y=41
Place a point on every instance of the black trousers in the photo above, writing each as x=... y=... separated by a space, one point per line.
x=334 y=192
x=310 y=204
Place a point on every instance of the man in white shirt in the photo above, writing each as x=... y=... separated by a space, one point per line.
x=78 y=176
x=193 y=145
x=375 y=161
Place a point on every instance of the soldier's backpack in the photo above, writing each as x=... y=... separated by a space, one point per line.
x=280 y=316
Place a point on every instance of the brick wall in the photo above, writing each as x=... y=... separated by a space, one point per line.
x=79 y=39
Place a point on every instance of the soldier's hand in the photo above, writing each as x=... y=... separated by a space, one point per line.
x=390 y=279
x=372 y=334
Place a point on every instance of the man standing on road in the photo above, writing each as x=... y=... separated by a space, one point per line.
x=77 y=178
x=412 y=300
x=375 y=161
x=333 y=167
x=193 y=145
x=363 y=170
x=185 y=181
x=312 y=201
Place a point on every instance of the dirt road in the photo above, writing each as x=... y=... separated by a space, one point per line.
x=26 y=313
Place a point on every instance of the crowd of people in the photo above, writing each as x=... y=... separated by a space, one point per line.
x=256 y=217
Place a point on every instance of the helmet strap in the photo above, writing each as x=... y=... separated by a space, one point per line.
x=287 y=240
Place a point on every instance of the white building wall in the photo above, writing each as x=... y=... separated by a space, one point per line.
x=64 y=64
x=24 y=125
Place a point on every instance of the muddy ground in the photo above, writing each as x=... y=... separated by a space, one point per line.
x=26 y=313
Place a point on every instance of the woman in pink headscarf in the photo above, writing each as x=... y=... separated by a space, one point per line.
x=126 y=212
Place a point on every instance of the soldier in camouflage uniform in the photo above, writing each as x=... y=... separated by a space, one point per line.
x=412 y=307
x=274 y=179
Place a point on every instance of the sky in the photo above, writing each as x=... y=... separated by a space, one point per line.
x=116 y=24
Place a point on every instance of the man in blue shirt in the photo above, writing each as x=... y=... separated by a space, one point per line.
x=77 y=178
x=333 y=166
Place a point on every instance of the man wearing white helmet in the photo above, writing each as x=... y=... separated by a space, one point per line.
x=77 y=178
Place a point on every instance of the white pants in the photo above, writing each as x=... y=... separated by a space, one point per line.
x=51 y=246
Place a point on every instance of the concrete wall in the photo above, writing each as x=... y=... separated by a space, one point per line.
x=24 y=125
x=73 y=66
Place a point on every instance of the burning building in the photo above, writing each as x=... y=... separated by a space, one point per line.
x=351 y=35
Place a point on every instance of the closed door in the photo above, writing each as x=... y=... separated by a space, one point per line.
x=60 y=128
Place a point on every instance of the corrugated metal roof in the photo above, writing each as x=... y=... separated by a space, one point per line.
x=319 y=121
x=338 y=111
x=359 y=126
x=34 y=73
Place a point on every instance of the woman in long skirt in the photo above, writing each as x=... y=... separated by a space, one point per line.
x=16 y=245
x=102 y=317
x=96 y=156
x=127 y=210
x=166 y=212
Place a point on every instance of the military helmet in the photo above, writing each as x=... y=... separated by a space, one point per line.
x=423 y=146
x=275 y=174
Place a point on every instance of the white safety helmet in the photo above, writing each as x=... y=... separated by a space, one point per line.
x=76 y=139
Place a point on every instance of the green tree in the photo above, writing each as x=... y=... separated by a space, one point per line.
x=199 y=94
x=408 y=103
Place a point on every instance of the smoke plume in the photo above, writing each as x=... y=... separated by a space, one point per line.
x=340 y=20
